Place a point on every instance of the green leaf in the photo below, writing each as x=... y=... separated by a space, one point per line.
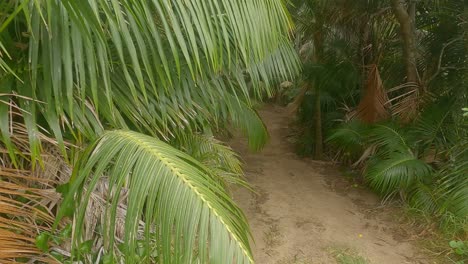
x=86 y=246
x=108 y=259
x=42 y=241
x=63 y=188
x=66 y=232
x=57 y=256
x=180 y=196
x=398 y=172
x=456 y=244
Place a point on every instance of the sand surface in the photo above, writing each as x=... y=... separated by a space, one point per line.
x=305 y=210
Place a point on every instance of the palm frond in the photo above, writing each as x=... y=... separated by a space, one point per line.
x=373 y=106
x=25 y=212
x=436 y=127
x=423 y=197
x=215 y=155
x=399 y=172
x=349 y=137
x=3 y=63
x=184 y=206
x=250 y=123
x=389 y=138
x=113 y=62
x=452 y=188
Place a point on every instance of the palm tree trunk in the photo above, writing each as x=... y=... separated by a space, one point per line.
x=318 y=153
x=407 y=34
x=318 y=125
x=412 y=14
x=365 y=54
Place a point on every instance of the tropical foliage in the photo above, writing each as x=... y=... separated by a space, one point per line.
x=386 y=82
x=113 y=104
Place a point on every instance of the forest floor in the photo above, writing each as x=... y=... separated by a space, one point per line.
x=306 y=212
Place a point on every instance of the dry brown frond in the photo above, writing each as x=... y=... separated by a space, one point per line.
x=29 y=202
x=294 y=105
x=373 y=106
x=407 y=104
x=24 y=215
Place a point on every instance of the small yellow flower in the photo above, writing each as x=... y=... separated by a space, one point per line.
x=360 y=235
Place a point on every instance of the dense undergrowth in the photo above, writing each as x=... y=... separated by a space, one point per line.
x=399 y=125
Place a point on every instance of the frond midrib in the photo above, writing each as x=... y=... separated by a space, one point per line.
x=395 y=164
x=129 y=135
x=393 y=131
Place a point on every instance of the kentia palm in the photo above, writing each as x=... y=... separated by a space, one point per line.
x=163 y=68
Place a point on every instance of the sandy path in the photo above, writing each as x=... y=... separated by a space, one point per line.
x=304 y=209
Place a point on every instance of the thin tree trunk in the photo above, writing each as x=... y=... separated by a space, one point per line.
x=408 y=37
x=318 y=125
x=412 y=14
x=365 y=53
x=318 y=51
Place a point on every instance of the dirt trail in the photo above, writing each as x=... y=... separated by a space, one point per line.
x=304 y=209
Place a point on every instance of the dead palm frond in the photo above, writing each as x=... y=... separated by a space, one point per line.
x=26 y=212
x=374 y=105
x=407 y=101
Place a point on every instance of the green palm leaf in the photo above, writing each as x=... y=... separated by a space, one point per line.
x=452 y=189
x=208 y=150
x=349 y=137
x=423 y=197
x=435 y=127
x=389 y=138
x=185 y=208
x=152 y=66
x=397 y=172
